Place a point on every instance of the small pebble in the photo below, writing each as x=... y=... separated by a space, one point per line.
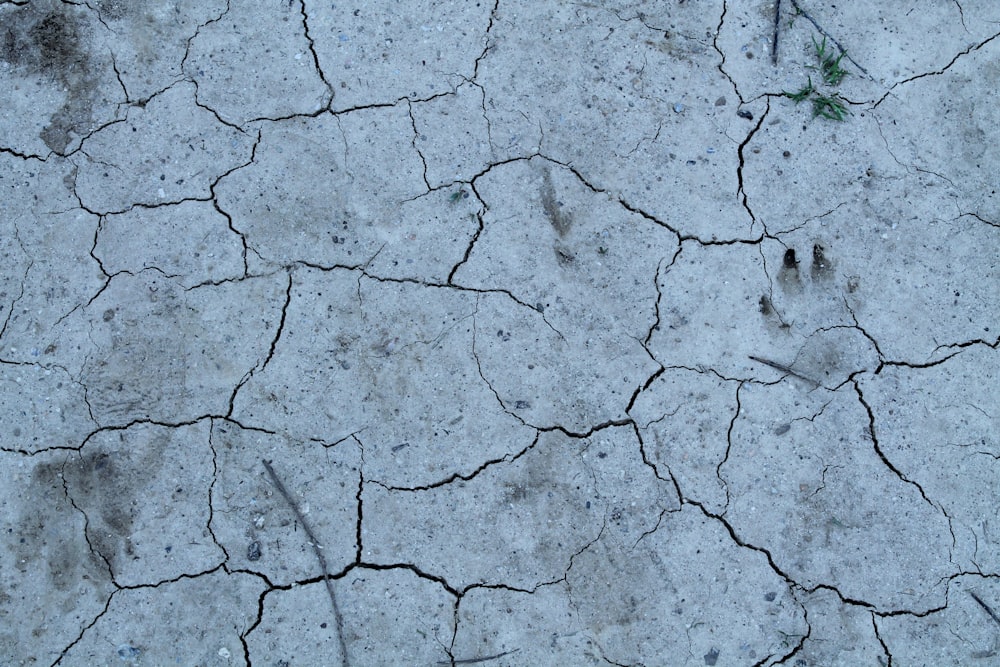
x=127 y=652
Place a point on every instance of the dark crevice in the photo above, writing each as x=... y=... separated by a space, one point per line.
x=281 y=324
x=86 y=530
x=801 y=12
x=959 y=55
x=644 y=385
x=878 y=449
x=659 y=520
x=657 y=319
x=246 y=427
x=141 y=102
x=373 y=105
x=468 y=248
x=24 y=279
x=320 y=557
x=722 y=56
x=766 y=302
x=871 y=339
x=488 y=45
x=315 y=56
x=885 y=648
x=729 y=445
x=652 y=218
x=741 y=542
x=840 y=596
x=980 y=218
x=413 y=143
x=961 y=346
x=741 y=193
x=83 y=630
x=211 y=493
x=454 y=477
x=25 y=156
x=174 y=580
x=795 y=650
x=224 y=213
x=93 y=250
x=472 y=290
x=358 y=534
x=118 y=76
x=404 y=566
x=652 y=466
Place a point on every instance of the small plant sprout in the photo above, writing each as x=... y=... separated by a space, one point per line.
x=829 y=66
x=803 y=92
x=456 y=196
x=829 y=106
x=796 y=12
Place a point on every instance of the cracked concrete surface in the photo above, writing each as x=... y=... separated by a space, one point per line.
x=569 y=337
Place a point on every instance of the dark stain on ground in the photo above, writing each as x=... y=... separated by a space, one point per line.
x=765 y=305
x=44 y=40
x=559 y=220
x=113 y=9
x=789 y=261
x=47 y=538
x=822 y=267
x=97 y=482
x=41 y=43
x=788 y=277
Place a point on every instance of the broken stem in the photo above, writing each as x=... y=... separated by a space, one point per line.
x=774 y=42
x=318 y=550
x=470 y=661
x=986 y=607
x=785 y=369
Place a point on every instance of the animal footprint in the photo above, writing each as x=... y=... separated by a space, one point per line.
x=809 y=302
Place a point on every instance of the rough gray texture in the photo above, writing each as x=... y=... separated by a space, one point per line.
x=568 y=336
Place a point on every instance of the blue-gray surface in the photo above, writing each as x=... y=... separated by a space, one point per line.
x=570 y=337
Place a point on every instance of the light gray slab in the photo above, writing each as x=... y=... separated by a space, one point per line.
x=501 y=333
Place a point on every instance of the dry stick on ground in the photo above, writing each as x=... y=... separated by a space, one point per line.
x=774 y=44
x=986 y=607
x=786 y=369
x=802 y=12
x=470 y=661
x=318 y=549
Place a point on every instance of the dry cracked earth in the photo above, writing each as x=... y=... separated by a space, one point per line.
x=500 y=332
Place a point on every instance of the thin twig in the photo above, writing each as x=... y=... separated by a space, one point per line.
x=318 y=550
x=774 y=42
x=833 y=39
x=985 y=606
x=471 y=661
x=786 y=369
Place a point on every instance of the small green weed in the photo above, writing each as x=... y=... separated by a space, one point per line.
x=827 y=105
x=803 y=92
x=797 y=13
x=829 y=66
